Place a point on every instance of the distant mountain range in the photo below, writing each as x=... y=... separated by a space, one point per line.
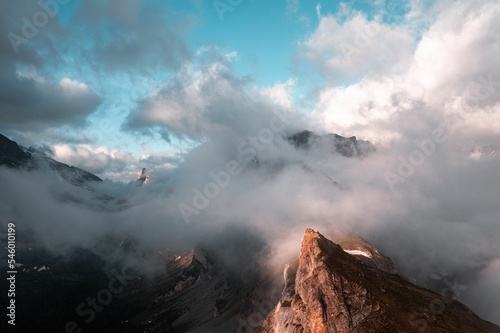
x=14 y=156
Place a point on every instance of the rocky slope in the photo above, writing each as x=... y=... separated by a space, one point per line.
x=196 y=295
x=328 y=290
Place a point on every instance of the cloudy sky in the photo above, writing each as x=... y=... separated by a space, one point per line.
x=180 y=86
x=108 y=85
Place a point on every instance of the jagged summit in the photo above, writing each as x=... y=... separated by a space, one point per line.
x=347 y=147
x=328 y=290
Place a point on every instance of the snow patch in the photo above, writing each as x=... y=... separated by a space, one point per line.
x=358 y=253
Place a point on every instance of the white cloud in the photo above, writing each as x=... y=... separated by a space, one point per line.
x=452 y=77
x=487 y=284
x=281 y=93
x=345 y=50
x=110 y=163
x=207 y=101
x=366 y=108
x=73 y=86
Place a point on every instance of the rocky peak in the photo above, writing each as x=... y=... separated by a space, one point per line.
x=329 y=290
x=347 y=147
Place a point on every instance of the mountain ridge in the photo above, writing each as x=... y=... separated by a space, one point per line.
x=14 y=156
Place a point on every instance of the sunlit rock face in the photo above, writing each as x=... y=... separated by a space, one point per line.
x=329 y=290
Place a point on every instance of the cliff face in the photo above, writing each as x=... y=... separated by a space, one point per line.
x=329 y=290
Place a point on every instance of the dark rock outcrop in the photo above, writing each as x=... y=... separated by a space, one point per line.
x=11 y=155
x=347 y=147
